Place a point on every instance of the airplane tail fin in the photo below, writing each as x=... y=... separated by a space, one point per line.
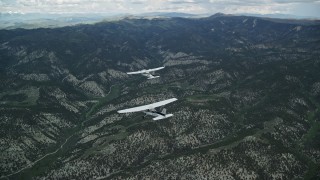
x=164 y=111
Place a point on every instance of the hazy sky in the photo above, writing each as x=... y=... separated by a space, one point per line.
x=295 y=7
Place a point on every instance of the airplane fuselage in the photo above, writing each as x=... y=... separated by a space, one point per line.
x=153 y=113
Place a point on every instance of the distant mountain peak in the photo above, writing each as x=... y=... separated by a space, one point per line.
x=219 y=14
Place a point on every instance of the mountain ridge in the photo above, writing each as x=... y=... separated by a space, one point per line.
x=36 y=20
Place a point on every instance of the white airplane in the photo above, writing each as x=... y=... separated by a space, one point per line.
x=147 y=72
x=150 y=109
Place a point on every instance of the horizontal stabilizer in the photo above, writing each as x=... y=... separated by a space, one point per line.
x=153 y=77
x=162 y=117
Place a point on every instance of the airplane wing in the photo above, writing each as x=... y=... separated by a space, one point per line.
x=155 y=69
x=145 y=71
x=137 y=72
x=149 y=106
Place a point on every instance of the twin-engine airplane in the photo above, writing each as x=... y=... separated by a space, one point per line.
x=150 y=109
x=147 y=72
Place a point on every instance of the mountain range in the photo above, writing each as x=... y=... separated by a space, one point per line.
x=248 y=104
